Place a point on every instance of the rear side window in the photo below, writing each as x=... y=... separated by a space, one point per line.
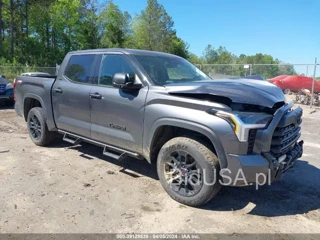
x=110 y=65
x=79 y=68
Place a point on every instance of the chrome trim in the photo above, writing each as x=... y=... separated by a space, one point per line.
x=243 y=133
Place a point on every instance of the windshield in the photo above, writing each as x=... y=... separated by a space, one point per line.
x=170 y=69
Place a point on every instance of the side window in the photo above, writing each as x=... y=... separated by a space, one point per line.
x=79 y=68
x=110 y=65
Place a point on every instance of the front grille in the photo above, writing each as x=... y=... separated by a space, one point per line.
x=2 y=88
x=286 y=133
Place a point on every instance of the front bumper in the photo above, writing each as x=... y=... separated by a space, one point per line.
x=278 y=167
x=259 y=169
x=6 y=98
x=7 y=95
x=275 y=151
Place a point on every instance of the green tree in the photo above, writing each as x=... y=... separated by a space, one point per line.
x=219 y=56
x=193 y=58
x=153 y=28
x=114 y=26
x=65 y=15
x=179 y=47
x=40 y=42
x=88 y=34
x=41 y=32
x=1 y=25
x=210 y=55
x=268 y=71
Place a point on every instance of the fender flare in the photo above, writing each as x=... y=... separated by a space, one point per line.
x=49 y=117
x=193 y=126
x=34 y=96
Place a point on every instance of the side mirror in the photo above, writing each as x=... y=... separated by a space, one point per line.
x=125 y=81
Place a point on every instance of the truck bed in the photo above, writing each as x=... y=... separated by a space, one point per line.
x=38 y=88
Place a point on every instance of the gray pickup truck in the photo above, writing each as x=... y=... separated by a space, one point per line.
x=200 y=133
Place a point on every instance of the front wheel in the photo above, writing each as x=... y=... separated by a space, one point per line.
x=188 y=171
x=37 y=127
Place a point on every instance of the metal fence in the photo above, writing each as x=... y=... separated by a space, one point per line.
x=12 y=71
x=222 y=71
x=268 y=71
x=215 y=71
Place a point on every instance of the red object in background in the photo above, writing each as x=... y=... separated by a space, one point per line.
x=277 y=78
x=295 y=83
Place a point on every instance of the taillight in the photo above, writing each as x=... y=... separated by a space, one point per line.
x=15 y=82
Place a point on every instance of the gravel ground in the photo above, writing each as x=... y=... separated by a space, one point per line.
x=75 y=189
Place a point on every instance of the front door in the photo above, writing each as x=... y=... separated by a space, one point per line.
x=70 y=95
x=117 y=115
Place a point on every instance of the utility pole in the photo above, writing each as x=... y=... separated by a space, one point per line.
x=314 y=79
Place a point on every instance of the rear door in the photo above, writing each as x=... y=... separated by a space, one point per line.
x=70 y=95
x=117 y=115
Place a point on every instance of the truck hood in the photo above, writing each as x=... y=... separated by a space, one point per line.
x=245 y=91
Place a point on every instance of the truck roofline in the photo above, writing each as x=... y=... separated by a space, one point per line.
x=123 y=50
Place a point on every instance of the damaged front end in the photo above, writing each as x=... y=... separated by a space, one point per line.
x=266 y=128
x=271 y=135
x=271 y=150
x=279 y=142
x=286 y=161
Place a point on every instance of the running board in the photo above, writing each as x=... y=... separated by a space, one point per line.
x=108 y=150
x=114 y=154
x=71 y=139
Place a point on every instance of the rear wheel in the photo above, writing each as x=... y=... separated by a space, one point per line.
x=188 y=170
x=37 y=127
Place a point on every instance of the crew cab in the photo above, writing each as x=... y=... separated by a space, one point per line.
x=200 y=133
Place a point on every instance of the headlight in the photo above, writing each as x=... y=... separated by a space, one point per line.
x=254 y=118
x=9 y=86
x=241 y=123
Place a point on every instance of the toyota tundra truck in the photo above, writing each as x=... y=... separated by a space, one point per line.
x=200 y=133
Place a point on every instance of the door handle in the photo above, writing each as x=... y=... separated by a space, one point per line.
x=57 y=90
x=96 y=96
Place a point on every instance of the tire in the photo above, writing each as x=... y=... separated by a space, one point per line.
x=194 y=150
x=37 y=127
